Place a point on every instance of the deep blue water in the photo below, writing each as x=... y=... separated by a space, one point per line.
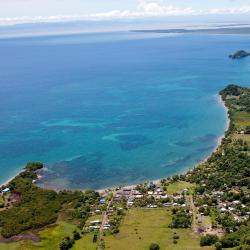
x=112 y=109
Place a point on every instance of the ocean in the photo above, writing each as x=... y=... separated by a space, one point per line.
x=109 y=109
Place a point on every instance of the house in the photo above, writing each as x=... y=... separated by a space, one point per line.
x=98 y=211
x=6 y=190
x=223 y=209
x=168 y=204
x=95 y=222
x=94 y=227
x=130 y=203
x=102 y=201
x=151 y=206
x=164 y=196
x=236 y=202
x=138 y=196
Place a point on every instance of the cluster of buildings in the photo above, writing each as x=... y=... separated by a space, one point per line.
x=157 y=197
x=239 y=211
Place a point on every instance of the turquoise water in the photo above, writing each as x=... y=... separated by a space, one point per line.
x=113 y=109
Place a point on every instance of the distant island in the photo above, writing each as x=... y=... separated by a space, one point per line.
x=218 y=30
x=206 y=208
x=239 y=54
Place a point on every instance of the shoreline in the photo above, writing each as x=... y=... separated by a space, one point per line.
x=157 y=181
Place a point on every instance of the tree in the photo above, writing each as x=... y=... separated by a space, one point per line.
x=154 y=246
x=208 y=240
x=63 y=246
x=76 y=235
x=218 y=246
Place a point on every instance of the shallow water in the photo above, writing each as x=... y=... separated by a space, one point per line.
x=116 y=108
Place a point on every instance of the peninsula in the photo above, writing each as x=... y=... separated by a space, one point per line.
x=206 y=208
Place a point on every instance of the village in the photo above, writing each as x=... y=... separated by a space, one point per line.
x=202 y=209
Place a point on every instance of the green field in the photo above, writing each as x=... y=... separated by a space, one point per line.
x=50 y=238
x=241 y=119
x=178 y=187
x=85 y=243
x=141 y=227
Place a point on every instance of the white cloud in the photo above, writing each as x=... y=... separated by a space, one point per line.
x=154 y=8
x=144 y=9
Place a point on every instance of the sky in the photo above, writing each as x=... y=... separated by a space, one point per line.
x=25 y=11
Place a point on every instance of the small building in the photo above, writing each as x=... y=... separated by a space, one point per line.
x=223 y=209
x=164 y=196
x=6 y=190
x=98 y=211
x=152 y=206
x=95 y=222
x=138 y=196
x=102 y=201
x=168 y=204
x=130 y=203
x=94 y=227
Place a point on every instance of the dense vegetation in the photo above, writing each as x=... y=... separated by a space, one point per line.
x=35 y=207
x=227 y=172
x=180 y=219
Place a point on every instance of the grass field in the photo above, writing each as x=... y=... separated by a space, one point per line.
x=178 y=187
x=141 y=227
x=241 y=119
x=85 y=243
x=206 y=221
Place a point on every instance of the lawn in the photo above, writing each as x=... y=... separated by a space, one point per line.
x=178 y=187
x=85 y=243
x=241 y=119
x=141 y=227
x=206 y=221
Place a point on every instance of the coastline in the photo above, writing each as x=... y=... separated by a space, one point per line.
x=157 y=181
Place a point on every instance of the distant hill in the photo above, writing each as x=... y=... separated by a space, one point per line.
x=239 y=54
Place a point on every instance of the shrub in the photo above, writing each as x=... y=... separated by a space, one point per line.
x=154 y=246
x=218 y=246
x=76 y=235
x=208 y=240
